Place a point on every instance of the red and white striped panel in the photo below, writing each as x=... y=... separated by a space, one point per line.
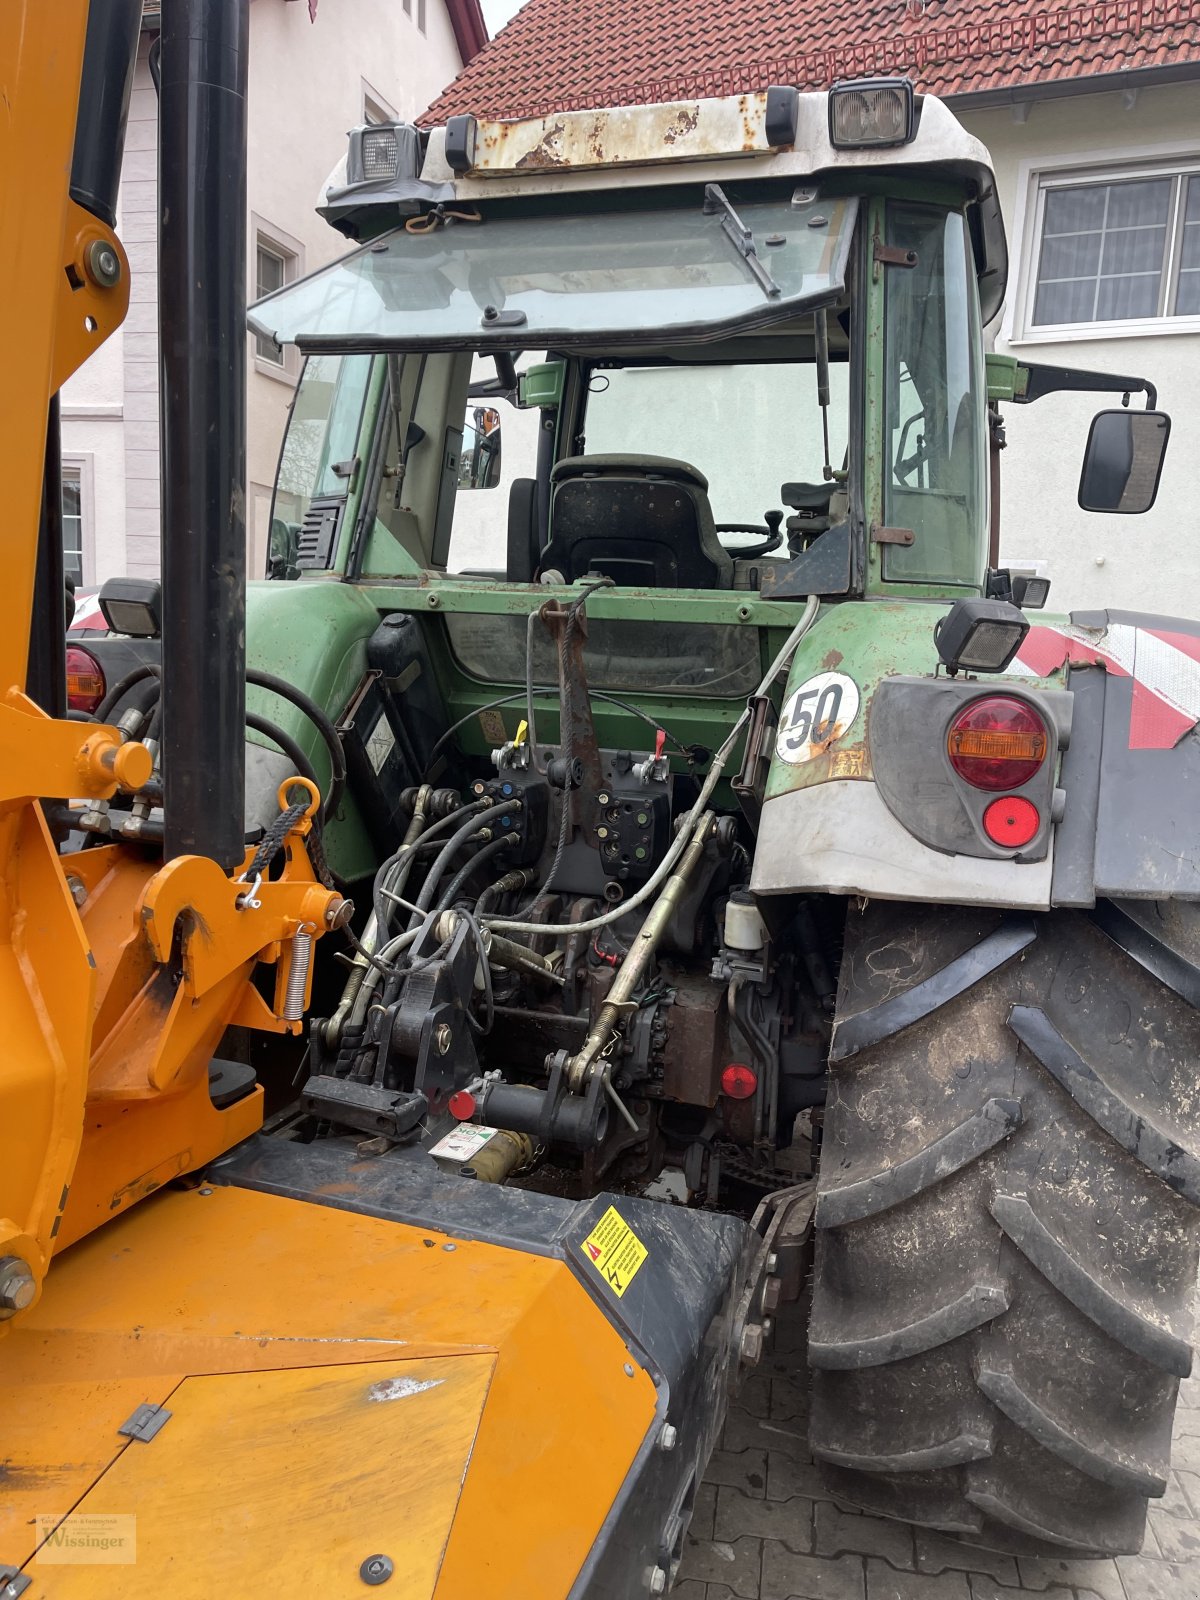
x=1164 y=666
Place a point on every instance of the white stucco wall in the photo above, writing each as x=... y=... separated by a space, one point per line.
x=1150 y=562
x=307 y=82
x=306 y=90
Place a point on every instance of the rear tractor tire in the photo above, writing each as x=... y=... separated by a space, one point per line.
x=1007 y=1220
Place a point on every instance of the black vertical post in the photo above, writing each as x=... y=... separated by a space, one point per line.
x=46 y=679
x=202 y=331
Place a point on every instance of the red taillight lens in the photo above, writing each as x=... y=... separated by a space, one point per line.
x=739 y=1082
x=85 y=679
x=1012 y=821
x=997 y=743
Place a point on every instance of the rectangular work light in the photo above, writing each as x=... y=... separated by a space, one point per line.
x=132 y=606
x=383 y=151
x=979 y=635
x=871 y=112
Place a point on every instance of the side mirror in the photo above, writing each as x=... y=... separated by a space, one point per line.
x=1123 y=461
x=479 y=460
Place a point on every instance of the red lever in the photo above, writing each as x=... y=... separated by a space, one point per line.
x=660 y=739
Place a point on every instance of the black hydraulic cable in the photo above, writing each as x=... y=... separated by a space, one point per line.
x=455 y=842
x=322 y=723
x=260 y=680
x=286 y=743
x=121 y=688
x=379 y=903
x=485 y=853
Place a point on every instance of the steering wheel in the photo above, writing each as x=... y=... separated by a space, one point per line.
x=773 y=531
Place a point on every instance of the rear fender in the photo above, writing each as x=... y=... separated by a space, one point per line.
x=868 y=804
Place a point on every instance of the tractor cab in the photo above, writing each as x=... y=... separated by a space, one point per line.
x=699 y=366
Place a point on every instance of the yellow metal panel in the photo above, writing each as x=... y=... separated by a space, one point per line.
x=380 y=1449
x=41 y=57
x=191 y=1282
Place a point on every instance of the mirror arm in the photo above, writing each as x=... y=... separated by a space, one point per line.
x=506 y=371
x=1042 y=380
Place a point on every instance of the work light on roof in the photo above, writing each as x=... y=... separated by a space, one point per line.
x=379 y=152
x=375 y=152
x=872 y=112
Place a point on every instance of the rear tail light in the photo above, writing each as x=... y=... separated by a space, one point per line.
x=86 y=687
x=997 y=743
x=1011 y=822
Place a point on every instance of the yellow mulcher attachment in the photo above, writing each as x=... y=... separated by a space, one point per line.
x=231 y=1364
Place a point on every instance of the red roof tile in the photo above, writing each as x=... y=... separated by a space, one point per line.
x=558 y=55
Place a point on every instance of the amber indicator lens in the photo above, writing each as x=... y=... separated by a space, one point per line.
x=997 y=743
x=85 y=680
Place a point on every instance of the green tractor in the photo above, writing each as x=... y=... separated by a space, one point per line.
x=719 y=812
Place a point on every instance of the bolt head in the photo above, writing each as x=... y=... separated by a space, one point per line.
x=376 y=1569
x=78 y=888
x=751 y=1347
x=770 y=1294
x=658 y=1581
x=443 y=1038
x=18 y=1286
x=103 y=263
x=669 y=1437
x=772 y=1261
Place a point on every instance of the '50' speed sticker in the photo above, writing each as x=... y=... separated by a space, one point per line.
x=815 y=715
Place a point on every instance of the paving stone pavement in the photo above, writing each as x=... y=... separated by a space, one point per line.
x=764 y=1530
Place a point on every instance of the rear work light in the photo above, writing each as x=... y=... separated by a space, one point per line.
x=86 y=687
x=872 y=113
x=997 y=743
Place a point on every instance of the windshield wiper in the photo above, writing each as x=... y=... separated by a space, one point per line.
x=716 y=201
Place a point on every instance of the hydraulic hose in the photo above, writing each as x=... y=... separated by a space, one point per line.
x=402 y=861
x=485 y=853
x=370 y=937
x=443 y=858
x=121 y=688
x=680 y=842
x=323 y=725
x=274 y=685
x=286 y=743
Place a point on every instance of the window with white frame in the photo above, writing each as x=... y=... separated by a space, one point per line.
x=375 y=107
x=1117 y=247
x=278 y=259
x=72 y=524
x=271 y=273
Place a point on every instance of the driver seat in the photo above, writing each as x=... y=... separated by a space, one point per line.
x=644 y=521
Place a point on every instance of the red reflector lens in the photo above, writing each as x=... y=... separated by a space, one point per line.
x=997 y=743
x=739 y=1082
x=85 y=680
x=1012 y=821
x=462 y=1105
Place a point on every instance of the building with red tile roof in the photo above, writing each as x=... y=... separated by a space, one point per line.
x=560 y=55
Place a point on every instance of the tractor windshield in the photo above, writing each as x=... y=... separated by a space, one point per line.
x=571 y=277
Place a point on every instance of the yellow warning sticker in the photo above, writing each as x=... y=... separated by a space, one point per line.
x=615 y=1251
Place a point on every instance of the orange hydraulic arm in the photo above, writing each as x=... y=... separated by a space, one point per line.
x=118 y=975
